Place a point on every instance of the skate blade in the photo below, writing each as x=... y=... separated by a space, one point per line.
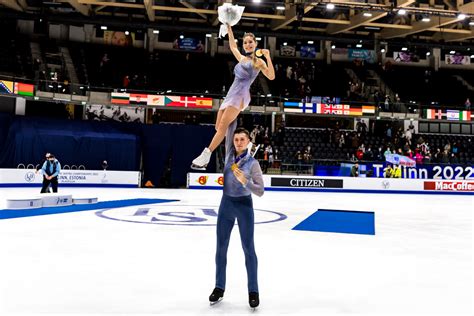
x=214 y=303
x=195 y=167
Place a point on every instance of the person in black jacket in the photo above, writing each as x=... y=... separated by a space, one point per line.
x=51 y=168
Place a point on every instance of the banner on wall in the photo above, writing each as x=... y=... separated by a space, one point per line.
x=405 y=57
x=117 y=38
x=117 y=113
x=287 y=51
x=361 y=54
x=307 y=51
x=457 y=60
x=189 y=43
x=332 y=109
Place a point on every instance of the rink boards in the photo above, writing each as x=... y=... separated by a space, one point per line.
x=72 y=178
x=342 y=184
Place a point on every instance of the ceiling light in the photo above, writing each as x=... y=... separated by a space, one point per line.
x=285 y=43
x=471 y=23
x=368 y=14
x=402 y=12
x=208 y=35
x=382 y=50
x=330 y=6
x=310 y=42
x=156 y=31
x=472 y=56
x=181 y=36
x=404 y=49
x=359 y=45
x=461 y=16
x=452 y=52
x=280 y=7
x=127 y=33
x=428 y=53
x=103 y=28
x=426 y=19
x=258 y=38
x=333 y=46
x=257 y=1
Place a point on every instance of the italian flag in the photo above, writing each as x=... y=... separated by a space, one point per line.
x=464 y=115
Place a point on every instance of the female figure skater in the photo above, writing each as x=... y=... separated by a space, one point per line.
x=242 y=176
x=238 y=96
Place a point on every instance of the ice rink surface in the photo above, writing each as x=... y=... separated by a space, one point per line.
x=159 y=258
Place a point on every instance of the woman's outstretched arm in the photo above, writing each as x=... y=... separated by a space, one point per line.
x=233 y=45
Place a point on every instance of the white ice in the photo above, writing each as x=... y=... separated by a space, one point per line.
x=418 y=263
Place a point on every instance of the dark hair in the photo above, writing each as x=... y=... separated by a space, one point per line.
x=51 y=156
x=241 y=130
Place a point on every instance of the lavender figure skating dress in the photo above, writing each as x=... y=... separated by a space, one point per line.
x=239 y=93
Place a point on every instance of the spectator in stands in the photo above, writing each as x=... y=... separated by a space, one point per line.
x=388 y=171
x=238 y=96
x=355 y=170
x=51 y=169
x=126 y=82
x=397 y=171
x=387 y=103
x=387 y=152
x=445 y=156
x=418 y=157
x=467 y=104
x=408 y=136
x=454 y=159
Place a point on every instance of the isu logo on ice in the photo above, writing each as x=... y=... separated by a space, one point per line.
x=202 y=180
x=220 y=180
x=180 y=215
x=449 y=185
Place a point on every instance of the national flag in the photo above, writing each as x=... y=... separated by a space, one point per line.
x=355 y=110
x=138 y=99
x=24 y=89
x=299 y=107
x=452 y=115
x=429 y=113
x=332 y=109
x=120 y=98
x=465 y=115
x=171 y=100
x=6 y=86
x=433 y=114
x=204 y=103
x=156 y=100
x=368 y=109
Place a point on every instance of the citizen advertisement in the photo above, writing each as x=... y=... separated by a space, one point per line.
x=306 y=183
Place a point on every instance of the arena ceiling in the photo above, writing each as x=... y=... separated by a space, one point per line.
x=436 y=21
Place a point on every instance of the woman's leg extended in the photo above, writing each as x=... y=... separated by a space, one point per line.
x=228 y=116
x=219 y=116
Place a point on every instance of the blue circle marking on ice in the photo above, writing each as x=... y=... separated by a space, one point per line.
x=181 y=215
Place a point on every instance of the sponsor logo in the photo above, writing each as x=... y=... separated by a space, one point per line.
x=449 y=185
x=30 y=176
x=220 y=180
x=306 y=183
x=180 y=215
x=202 y=180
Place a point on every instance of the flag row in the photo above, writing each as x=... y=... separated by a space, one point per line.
x=333 y=109
x=451 y=115
x=161 y=100
x=20 y=88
